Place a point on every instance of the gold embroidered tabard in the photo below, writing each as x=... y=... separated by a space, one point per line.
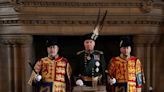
x=53 y=74
x=125 y=71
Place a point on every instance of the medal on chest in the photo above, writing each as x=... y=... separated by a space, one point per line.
x=88 y=57
x=97 y=63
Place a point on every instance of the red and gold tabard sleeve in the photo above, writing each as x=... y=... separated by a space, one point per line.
x=68 y=79
x=68 y=71
x=139 y=74
x=37 y=68
x=111 y=68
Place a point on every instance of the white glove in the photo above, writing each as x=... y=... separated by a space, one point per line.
x=79 y=82
x=139 y=89
x=112 y=81
x=95 y=78
x=38 y=77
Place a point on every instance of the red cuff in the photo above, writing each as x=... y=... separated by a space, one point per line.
x=139 y=86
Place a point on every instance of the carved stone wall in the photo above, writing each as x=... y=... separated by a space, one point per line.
x=67 y=17
x=16 y=52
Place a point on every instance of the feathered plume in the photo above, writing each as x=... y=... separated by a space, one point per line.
x=98 y=26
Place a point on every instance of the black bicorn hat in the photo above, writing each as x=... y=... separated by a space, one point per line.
x=125 y=41
x=99 y=25
x=50 y=41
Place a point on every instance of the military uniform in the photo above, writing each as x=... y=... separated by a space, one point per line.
x=54 y=72
x=90 y=65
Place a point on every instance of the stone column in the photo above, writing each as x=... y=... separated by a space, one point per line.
x=16 y=51
x=145 y=48
x=160 y=66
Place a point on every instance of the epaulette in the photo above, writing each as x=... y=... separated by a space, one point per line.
x=79 y=52
x=99 y=51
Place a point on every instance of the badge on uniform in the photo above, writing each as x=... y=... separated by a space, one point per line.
x=96 y=57
x=88 y=57
x=97 y=63
x=97 y=69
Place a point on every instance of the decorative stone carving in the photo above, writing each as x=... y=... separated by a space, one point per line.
x=159 y=4
x=146 y=39
x=15 y=39
x=18 y=7
x=79 y=4
x=71 y=20
x=147 y=6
